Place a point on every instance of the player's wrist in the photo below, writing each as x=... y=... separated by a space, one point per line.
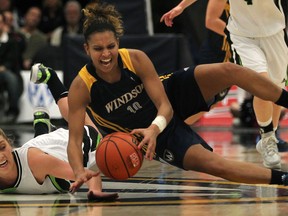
x=161 y=122
x=78 y=171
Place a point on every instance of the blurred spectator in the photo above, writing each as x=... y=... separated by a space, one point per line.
x=17 y=36
x=10 y=79
x=35 y=39
x=23 y=6
x=9 y=21
x=72 y=15
x=52 y=16
x=7 y=5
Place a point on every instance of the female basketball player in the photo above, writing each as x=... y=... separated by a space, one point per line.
x=122 y=92
x=41 y=166
x=256 y=31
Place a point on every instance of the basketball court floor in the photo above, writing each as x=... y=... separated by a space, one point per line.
x=159 y=189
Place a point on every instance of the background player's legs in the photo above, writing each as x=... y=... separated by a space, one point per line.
x=267 y=115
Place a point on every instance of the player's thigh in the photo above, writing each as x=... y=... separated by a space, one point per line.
x=214 y=78
x=276 y=52
x=248 y=53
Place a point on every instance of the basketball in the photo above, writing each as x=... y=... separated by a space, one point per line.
x=118 y=157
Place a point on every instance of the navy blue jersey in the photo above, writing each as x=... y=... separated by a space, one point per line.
x=126 y=98
x=125 y=105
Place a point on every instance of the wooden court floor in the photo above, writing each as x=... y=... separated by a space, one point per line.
x=159 y=189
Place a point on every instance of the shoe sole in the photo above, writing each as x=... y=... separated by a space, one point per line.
x=44 y=109
x=276 y=166
x=34 y=73
x=41 y=109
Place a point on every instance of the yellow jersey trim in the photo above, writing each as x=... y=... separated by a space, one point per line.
x=127 y=63
x=87 y=78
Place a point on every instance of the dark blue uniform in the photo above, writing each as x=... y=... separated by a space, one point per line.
x=125 y=105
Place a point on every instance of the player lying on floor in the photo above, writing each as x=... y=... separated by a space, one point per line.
x=40 y=166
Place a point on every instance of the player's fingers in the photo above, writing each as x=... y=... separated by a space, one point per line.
x=141 y=144
x=149 y=155
x=162 y=18
x=137 y=131
x=167 y=21
x=133 y=131
x=75 y=186
x=150 y=152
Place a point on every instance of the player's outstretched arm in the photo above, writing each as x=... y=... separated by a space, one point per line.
x=176 y=11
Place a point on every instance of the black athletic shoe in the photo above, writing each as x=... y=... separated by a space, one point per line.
x=285 y=179
x=39 y=73
x=41 y=114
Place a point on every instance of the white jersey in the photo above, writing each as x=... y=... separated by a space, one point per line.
x=55 y=144
x=255 y=18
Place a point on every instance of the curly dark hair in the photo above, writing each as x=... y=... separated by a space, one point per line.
x=100 y=17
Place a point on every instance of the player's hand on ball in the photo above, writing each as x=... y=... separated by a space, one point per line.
x=149 y=138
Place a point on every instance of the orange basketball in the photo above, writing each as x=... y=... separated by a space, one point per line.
x=118 y=157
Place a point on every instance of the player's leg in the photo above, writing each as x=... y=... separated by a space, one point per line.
x=268 y=57
x=41 y=122
x=275 y=64
x=45 y=75
x=199 y=159
x=214 y=78
x=193 y=153
x=266 y=117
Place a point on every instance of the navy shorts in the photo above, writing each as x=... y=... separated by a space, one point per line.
x=184 y=93
x=175 y=140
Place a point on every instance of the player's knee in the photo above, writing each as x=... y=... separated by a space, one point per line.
x=232 y=72
x=229 y=68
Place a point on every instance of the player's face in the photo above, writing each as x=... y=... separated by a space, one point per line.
x=102 y=47
x=7 y=162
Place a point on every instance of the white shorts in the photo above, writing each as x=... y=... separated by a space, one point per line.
x=263 y=54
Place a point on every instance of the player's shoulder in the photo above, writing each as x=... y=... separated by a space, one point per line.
x=136 y=53
x=35 y=155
